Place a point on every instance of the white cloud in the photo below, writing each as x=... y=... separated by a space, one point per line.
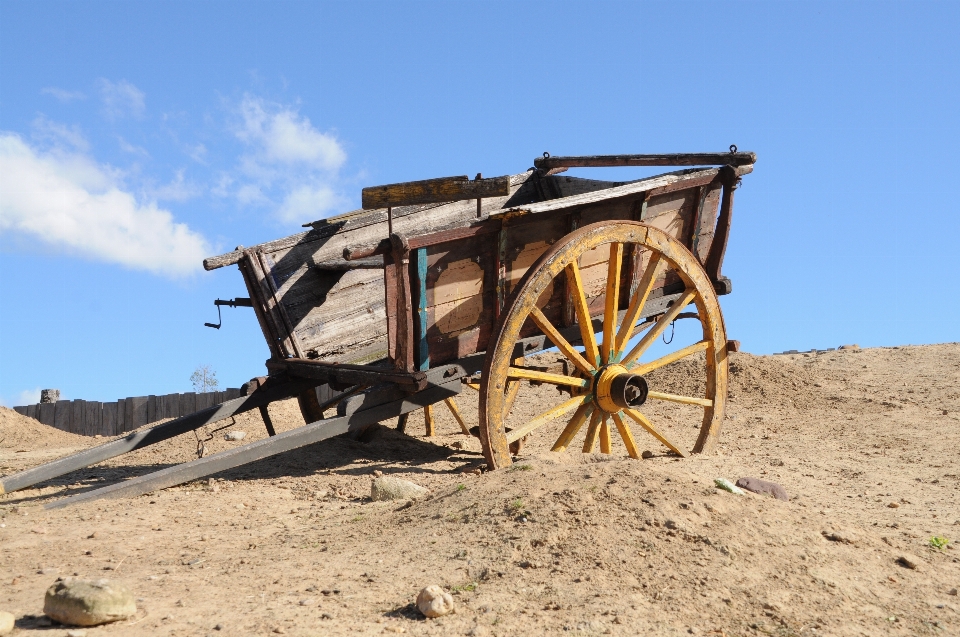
x=179 y=189
x=291 y=165
x=307 y=203
x=68 y=200
x=28 y=397
x=63 y=95
x=287 y=138
x=58 y=134
x=121 y=99
x=127 y=147
x=24 y=398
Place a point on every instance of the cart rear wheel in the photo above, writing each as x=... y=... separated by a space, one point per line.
x=605 y=379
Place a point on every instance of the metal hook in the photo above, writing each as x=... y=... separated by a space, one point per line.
x=673 y=327
x=237 y=302
x=218 y=323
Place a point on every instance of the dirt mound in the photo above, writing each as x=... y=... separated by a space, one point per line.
x=863 y=441
x=18 y=431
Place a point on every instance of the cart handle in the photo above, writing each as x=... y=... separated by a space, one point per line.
x=733 y=158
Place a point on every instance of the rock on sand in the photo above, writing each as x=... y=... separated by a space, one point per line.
x=79 y=602
x=433 y=601
x=6 y=622
x=387 y=488
x=764 y=487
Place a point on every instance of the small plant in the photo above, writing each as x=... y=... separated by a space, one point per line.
x=939 y=542
x=517 y=504
x=204 y=379
x=472 y=586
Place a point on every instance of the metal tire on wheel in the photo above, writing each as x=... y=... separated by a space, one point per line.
x=607 y=384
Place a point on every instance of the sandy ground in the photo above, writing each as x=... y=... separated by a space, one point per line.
x=584 y=543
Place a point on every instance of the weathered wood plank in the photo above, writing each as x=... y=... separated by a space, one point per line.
x=188 y=403
x=171 y=405
x=348 y=223
x=271 y=391
x=679 y=179
x=439 y=190
x=670 y=159
x=92 y=418
x=78 y=417
x=108 y=421
x=62 y=415
x=266 y=448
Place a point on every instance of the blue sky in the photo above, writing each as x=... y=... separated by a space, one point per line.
x=164 y=132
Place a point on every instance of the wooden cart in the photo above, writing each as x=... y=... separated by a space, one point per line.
x=449 y=282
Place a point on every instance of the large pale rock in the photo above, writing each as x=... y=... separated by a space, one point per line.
x=80 y=602
x=387 y=488
x=433 y=601
x=6 y=622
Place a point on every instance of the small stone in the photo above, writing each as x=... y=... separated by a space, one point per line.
x=385 y=488
x=726 y=485
x=764 y=487
x=893 y=505
x=843 y=536
x=909 y=561
x=235 y=436
x=647 y=454
x=433 y=601
x=6 y=622
x=78 y=602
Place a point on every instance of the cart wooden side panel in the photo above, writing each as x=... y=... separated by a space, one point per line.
x=460 y=286
x=340 y=315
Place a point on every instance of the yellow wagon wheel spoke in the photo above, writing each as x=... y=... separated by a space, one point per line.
x=684 y=400
x=672 y=357
x=626 y=435
x=573 y=427
x=665 y=320
x=611 y=305
x=605 y=436
x=545 y=417
x=583 y=313
x=636 y=305
x=547 y=377
x=646 y=424
x=593 y=431
x=562 y=344
x=605 y=385
x=455 y=410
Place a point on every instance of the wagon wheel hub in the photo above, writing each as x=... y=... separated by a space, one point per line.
x=615 y=388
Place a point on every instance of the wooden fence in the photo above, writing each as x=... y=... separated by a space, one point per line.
x=92 y=418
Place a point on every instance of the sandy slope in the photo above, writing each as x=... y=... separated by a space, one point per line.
x=564 y=542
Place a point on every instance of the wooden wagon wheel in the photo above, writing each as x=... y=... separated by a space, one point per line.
x=607 y=383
